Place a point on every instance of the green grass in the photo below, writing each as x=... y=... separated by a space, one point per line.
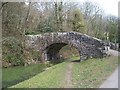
x=74 y=58
x=14 y=75
x=53 y=77
x=87 y=74
x=91 y=73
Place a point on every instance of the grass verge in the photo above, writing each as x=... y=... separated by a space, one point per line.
x=87 y=74
x=92 y=73
x=52 y=78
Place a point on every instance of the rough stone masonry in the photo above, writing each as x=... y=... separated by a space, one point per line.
x=49 y=44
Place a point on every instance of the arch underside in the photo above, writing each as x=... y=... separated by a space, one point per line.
x=52 y=52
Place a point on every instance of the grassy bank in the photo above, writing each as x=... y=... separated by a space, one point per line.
x=52 y=78
x=92 y=73
x=14 y=75
x=87 y=74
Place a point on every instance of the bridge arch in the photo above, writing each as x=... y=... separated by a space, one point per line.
x=49 y=44
x=51 y=52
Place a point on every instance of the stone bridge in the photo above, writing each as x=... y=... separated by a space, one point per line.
x=49 y=44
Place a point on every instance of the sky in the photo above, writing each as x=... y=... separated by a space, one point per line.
x=109 y=6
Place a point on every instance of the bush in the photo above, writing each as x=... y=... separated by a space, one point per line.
x=12 y=51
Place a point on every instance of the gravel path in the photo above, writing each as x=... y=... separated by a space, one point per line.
x=113 y=52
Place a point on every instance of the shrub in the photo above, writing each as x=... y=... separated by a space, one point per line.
x=12 y=51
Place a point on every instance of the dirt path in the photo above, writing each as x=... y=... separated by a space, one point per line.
x=68 y=76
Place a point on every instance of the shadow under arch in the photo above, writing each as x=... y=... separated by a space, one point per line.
x=51 y=52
